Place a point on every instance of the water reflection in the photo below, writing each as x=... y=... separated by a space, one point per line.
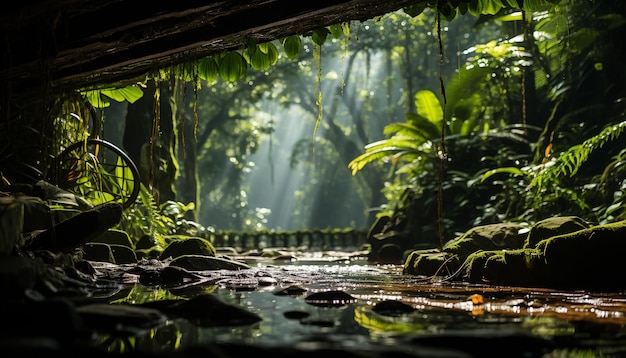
x=567 y=320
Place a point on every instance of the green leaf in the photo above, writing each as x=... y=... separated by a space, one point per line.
x=509 y=170
x=416 y=9
x=428 y=106
x=319 y=36
x=96 y=100
x=130 y=94
x=336 y=30
x=293 y=46
x=514 y=16
x=511 y=3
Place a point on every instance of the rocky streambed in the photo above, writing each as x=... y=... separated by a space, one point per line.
x=292 y=304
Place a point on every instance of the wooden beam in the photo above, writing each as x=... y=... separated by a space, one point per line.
x=70 y=44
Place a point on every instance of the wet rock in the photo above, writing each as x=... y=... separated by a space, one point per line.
x=488 y=237
x=117 y=254
x=332 y=298
x=96 y=251
x=170 y=276
x=591 y=258
x=554 y=226
x=292 y=290
x=390 y=253
x=182 y=245
x=123 y=254
x=267 y=281
x=588 y=258
x=115 y=237
x=455 y=252
x=431 y=262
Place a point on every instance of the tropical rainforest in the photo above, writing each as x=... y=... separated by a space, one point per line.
x=444 y=116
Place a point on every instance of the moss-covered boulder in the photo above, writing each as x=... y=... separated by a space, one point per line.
x=554 y=226
x=480 y=238
x=113 y=253
x=116 y=237
x=488 y=237
x=187 y=245
x=521 y=267
x=588 y=258
x=429 y=262
x=97 y=251
x=123 y=254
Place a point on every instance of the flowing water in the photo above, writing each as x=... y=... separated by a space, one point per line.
x=444 y=315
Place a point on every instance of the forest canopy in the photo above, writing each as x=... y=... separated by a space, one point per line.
x=442 y=116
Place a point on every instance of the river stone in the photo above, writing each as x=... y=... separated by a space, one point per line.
x=473 y=269
x=429 y=262
x=488 y=237
x=115 y=236
x=123 y=254
x=204 y=263
x=186 y=245
x=331 y=298
x=116 y=254
x=96 y=251
x=521 y=267
x=169 y=276
x=552 y=227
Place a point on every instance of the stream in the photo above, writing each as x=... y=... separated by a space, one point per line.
x=427 y=318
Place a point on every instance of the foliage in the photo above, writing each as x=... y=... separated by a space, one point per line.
x=146 y=217
x=445 y=142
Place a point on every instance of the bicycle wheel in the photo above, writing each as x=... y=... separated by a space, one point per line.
x=98 y=171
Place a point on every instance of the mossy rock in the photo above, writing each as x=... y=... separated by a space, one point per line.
x=205 y=263
x=588 y=258
x=113 y=253
x=188 y=245
x=474 y=265
x=487 y=238
x=97 y=251
x=116 y=237
x=521 y=267
x=429 y=262
x=552 y=227
x=123 y=254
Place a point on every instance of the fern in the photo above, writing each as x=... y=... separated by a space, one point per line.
x=569 y=162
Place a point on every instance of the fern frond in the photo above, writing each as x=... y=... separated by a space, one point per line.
x=569 y=162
